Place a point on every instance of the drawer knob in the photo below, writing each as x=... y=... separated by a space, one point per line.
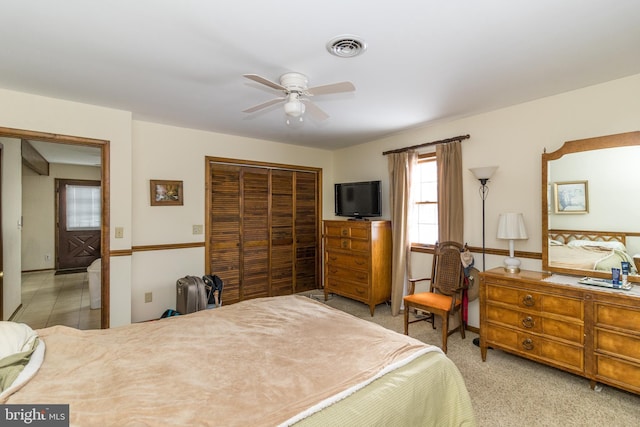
x=360 y=262
x=529 y=301
x=527 y=344
x=345 y=232
x=528 y=322
x=345 y=244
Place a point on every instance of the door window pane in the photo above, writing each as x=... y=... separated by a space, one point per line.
x=83 y=207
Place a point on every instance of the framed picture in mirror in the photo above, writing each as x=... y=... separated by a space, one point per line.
x=571 y=197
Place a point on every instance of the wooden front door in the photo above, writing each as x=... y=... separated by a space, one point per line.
x=78 y=223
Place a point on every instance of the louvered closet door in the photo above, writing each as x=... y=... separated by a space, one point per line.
x=255 y=233
x=282 y=250
x=263 y=230
x=306 y=231
x=224 y=226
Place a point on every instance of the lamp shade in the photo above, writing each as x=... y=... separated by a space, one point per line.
x=485 y=172
x=511 y=226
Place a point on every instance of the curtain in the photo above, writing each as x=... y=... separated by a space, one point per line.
x=400 y=170
x=450 y=212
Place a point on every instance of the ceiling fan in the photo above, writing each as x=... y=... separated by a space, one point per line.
x=296 y=92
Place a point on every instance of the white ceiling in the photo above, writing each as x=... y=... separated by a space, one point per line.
x=68 y=154
x=181 y=62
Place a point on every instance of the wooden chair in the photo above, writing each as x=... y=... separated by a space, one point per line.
x=445 y=295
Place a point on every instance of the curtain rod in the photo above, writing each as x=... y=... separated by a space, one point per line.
x=426 y=144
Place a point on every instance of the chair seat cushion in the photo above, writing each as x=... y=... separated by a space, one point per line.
x=430 y=299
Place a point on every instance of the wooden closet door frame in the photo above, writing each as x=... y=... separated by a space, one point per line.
x=209 y=161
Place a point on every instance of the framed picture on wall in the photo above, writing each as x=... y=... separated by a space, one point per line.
x=571 y=197
x=166 y=193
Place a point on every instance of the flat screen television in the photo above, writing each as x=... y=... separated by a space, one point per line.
x=358 y=199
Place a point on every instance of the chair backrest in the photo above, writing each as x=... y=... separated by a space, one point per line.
x=448 y=273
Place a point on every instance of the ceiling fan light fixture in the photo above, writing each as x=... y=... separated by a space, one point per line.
x=293 y=107
x=346 y=46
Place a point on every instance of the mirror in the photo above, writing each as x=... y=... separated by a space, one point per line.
x=590 y=206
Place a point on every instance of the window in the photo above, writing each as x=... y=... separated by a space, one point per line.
x=424 y=227
x=83 y=207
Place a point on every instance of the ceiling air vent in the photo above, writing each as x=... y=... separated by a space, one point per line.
x=346 y=46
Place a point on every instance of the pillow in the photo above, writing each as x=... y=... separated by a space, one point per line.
x=15 y=338
x=608 y=245
x=28 y=372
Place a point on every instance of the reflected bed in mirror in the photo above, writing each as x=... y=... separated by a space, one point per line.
x=576 y=242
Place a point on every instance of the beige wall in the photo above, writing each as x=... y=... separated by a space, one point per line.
x=173 y=153
x=513 y=139
x=38 y=212
x=37 y=113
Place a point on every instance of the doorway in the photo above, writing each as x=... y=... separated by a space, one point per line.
x=78 y=143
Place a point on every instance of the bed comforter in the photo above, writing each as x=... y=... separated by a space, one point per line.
x=588 y=257
x=262 y=362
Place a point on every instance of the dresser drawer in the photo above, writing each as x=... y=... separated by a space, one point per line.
x=349 y=289
x=347 y=244
x=359 y=276
x=346 y=260
x=618 y=372
x=336 y=230
x=622 y=344
x=527 y=322
x=618 y=317
x=535 y=301
x=554 y=352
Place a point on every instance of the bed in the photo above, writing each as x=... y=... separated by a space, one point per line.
x=262 y=362
x=588 y=250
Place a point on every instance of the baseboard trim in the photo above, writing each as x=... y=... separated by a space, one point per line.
x=15 y=313
x=472 y=329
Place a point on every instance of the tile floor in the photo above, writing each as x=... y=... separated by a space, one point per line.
x=49 y=300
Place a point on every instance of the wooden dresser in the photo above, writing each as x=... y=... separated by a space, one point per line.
x=357 y=260
x=585 y=330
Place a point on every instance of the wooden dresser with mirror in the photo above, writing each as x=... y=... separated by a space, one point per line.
x=548 y=316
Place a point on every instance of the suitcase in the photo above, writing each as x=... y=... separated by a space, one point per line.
x=191 y=295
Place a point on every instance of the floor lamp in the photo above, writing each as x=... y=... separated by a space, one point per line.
x=483 y=175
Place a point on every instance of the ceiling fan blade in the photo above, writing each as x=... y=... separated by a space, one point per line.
x=262 y=80
x=332 y=88
x=315 y=111
x=263 y=105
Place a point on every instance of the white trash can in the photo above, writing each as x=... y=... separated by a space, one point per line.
x=95 y=283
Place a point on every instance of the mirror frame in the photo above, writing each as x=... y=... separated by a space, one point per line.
x=576 y=146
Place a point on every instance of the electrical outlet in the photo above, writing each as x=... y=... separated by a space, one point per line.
x=148 y=297
x=119 y=232
x=197 y=229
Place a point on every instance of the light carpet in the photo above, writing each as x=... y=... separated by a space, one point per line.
x=508 y=390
